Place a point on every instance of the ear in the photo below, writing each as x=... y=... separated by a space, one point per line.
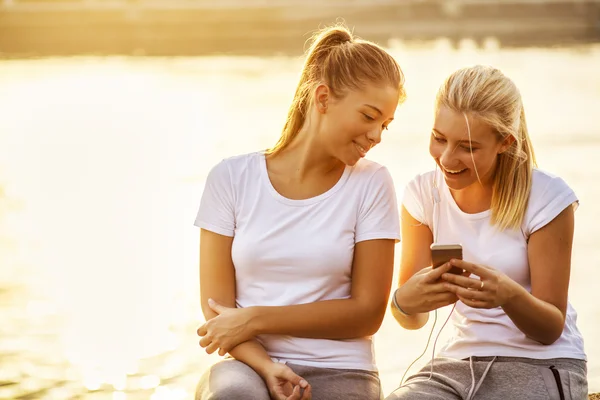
x=506 y=143
x=322 y=97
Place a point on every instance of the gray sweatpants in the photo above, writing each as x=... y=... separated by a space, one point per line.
x=233 y=380
x=498 y=378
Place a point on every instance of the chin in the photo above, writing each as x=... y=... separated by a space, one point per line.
x=349 y=160
x=458 y=184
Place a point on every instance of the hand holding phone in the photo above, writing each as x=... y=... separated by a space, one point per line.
x=442 y=253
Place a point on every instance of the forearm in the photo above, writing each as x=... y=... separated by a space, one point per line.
x=252 y=354
x=329 y=319
x=407 y=321
x=537 y=319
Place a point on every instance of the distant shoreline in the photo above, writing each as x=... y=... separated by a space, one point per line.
x=183 y=27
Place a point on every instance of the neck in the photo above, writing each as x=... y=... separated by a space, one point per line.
x=477 y=197
x=305 y=157
x=474 y=199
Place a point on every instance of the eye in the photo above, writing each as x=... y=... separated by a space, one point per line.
x=469 y=149
x=368 y=117
x=438 y=139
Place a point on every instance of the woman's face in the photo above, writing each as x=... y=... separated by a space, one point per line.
x=463 y=160
x=352 y=125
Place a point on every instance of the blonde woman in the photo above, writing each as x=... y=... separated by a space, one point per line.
x=515 y=333
x=297 y=242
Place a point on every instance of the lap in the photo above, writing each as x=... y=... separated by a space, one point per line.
x=508 y=378
x=340 y=384
x=231 y=380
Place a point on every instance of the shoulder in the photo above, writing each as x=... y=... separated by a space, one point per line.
x=421 y=185
x=367 y=173
x=543 y=182
x=549 y=196
x=240 y=162
x=235 y=167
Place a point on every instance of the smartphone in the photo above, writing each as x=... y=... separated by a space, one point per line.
x=442 y=253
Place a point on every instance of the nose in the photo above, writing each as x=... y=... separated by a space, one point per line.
x=447 y=157
x=374 y=136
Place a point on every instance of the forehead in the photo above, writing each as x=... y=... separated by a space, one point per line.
x=453 y=125
x=384 y=98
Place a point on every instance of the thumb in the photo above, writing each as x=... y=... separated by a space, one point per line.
x=216 y=307
x=436 y=273
x=291 y=377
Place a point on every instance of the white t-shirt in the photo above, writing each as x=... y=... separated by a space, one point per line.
x=288 y=252
x=483 y=332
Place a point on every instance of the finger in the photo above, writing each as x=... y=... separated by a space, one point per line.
x=467 y=293
x=222 y=352
x=290 y=376
x=278 y=392
x=424 y=271
x=462 y=281
x=470 y=267
x=211 y=348
x=202 y=331
x=442 y=300
x=437 y=288
x=436 y=273
x=473 y=303
x=295 y=394
x=205 y=341
x=307 y=395
x=446 y=297
x=216 y=307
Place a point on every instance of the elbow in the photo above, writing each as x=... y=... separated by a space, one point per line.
x=546 y=340
x=372 y=318
x=550 y=335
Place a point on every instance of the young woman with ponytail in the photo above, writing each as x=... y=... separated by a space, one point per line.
x=297 y=242
x=515 y=333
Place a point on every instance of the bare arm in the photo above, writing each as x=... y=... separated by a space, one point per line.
x=360 y=315
x=420 y=288
x=416 y=239
x=217 y=281
x=541 y=314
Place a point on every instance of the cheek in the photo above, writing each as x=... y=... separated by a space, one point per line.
x=484 y=162
x=435 y=149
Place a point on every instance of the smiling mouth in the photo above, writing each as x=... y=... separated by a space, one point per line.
x=361 y=149
x=454 y=172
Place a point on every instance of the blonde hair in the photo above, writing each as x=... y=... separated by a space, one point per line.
x=488 y=95
x=342 y=62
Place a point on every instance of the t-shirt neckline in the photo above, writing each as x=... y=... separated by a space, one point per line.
x=294 y=202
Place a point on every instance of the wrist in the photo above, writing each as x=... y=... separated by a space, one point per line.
x=396 y=304
x=516 y=295
x=263 y=366
x=255 y=321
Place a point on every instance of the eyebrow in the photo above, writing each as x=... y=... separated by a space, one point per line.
x=378 y=110
x=472 y=142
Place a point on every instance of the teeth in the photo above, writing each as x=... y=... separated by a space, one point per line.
x=361 y=148
x=455 y=172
